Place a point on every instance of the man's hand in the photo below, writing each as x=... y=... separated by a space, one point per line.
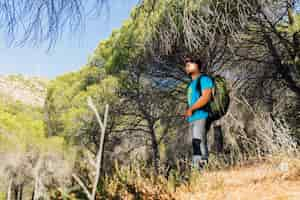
x=202 y=101
x=188 y=113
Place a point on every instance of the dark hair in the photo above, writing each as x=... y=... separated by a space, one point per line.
x=194 y=60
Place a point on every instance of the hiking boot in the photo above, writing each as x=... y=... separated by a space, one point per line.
x=203 y=163
x=198 y=163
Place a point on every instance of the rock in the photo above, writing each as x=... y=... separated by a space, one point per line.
x=283 y=167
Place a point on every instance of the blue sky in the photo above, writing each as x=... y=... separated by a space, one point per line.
x=70 y=53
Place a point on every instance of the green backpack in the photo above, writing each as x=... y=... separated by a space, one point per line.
x=219 y=103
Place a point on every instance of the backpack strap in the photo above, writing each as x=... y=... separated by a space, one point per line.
x=198 y=84
x=199 y=88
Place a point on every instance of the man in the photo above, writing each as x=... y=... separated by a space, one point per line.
x=196 y=114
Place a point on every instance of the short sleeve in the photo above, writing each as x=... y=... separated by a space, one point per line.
x=206 y=83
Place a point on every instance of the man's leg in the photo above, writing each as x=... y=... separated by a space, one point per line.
x=200 y=140
x=195 y=142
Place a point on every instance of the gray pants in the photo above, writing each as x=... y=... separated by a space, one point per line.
x=198 y=131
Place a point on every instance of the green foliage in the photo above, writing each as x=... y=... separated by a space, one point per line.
x=20 y=125
x=67 y=113
x=295 y=27
x=22 y=128
x=23 y=143
x=135 y=43
x=126 y=44
x=2 y=195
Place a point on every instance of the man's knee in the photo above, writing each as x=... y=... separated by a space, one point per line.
x=196 y=146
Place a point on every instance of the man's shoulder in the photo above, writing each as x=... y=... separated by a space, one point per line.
x=206 y=80
x=206 y=77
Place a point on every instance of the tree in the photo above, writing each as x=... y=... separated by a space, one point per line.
x=228 y=35
x=29 y=157
x=214 y=31
x=255 y=41
x=151 y=109
x=68 y=116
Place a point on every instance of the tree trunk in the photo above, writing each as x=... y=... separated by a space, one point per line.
x=8 y=196
x=15 y=189
x=282 y=69
x=155 y=151
x=218 y=139
x=32 y=195
x=36 y=192
x=20 y=192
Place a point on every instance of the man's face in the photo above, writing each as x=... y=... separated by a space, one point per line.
x=191 y=67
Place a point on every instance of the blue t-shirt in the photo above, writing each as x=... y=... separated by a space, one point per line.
x=193 y=95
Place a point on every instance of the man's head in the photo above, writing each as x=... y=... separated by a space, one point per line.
x=192 y=66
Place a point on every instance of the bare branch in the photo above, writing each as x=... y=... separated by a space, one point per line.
x=36 y=21
x=100 y=152
x=96 y=164
x=82 y=185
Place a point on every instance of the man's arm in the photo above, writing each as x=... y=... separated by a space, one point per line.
x=203 y=100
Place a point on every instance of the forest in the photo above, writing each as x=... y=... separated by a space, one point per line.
x=114 y=129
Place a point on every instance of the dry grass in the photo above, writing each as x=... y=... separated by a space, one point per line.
x=277 y=178
x=132 y=183
x=274 y=178
x=249 y=133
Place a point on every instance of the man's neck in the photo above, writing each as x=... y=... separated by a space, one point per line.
x=195 y=75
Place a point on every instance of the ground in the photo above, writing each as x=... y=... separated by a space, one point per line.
x=266 y=181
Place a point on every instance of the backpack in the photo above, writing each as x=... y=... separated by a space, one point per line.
x=219 y=103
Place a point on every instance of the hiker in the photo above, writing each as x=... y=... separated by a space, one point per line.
x=197 y=115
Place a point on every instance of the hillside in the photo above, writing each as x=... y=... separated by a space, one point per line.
x=27 y=90
x=24 y=144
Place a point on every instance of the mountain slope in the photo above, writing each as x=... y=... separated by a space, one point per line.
x=27 y=90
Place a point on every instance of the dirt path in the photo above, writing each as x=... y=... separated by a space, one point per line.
x=261 y=182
